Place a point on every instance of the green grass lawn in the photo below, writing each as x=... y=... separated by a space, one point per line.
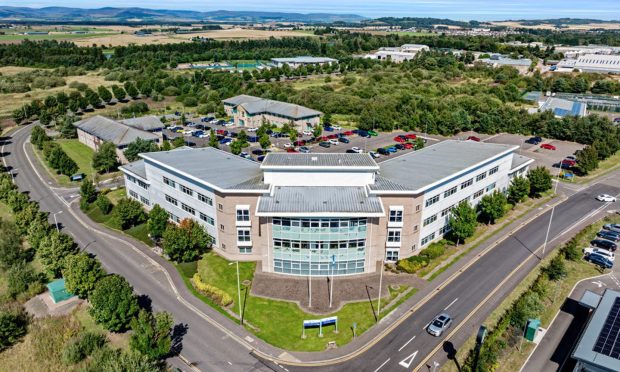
x=279 y=322
x=139 y=232
x=81 y=154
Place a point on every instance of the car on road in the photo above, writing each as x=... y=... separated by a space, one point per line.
x=534 y=140
x=383 y=151
x=606 y=198
x=325 y=144
x=333 y=141
x=304 y=149
x=438 y=325
x=603 y=252
x=357 y=150
x=605 y=244
x=373 y=133
x=344 y=139
x=307 y=132
x=374 y=155
x=473 y=138
x=547 y=146
x=608 y=235
x=600 y=260
x=614 y=227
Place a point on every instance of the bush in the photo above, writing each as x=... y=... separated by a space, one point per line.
x=571 y=250
x=217 y=295
x=556 y=269
x=82 y=346
x=13 y=326
x=104 y=204
x=20 y=277
x=412 y=264
x=434 y=250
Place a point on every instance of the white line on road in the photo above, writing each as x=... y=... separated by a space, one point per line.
x=384 y=363
x=406 y=343
x=408 y=360
x=451 y=303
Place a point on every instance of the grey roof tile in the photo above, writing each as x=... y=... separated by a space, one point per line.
x=113 y=131
x=294 y=160
x=257 y=105
x=137 y=167
x=147 y=123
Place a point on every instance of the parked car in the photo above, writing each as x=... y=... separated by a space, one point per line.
x=534 y=140
x=333 y=136
x=253 y=139
x=400 y=139
x=304 y=149
x=411 y=136
x=603 y=252
x=399 y=146
x=383 y=151
x=547 y=146
x=357 y=150
x=391 y=149
x=408 y=145
x=605 y=244
x=363 y=133
x=260 y=158
x=245 y=155
x=473 y=138
x=328 y=128
x=571 y=157
x=226 y=141
x=608 y=235
x=344 y=140
x=438 y=325
x=288 y=145
x=336 y=127
x=198 y=133
x=374 y=155
x=325 y=144
x=188 y=132
x=252 y=129
x=333 y=141
x=615 y=227
x=221 y=131
x=348 y=133
x=567 y=163
x=291 y=149
x=600 y=260
x=307 y=132
x=258 y=152
x=606 y=198
x=373 y=133
x=299 y=143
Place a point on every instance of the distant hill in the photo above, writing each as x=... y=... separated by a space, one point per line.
x=141 y=15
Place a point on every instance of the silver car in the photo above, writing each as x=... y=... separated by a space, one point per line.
x=441 y=322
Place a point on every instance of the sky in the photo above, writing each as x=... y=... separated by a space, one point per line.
x=453 y=9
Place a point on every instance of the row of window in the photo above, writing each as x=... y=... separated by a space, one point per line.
x=297 y=244
x=186 y=190
x=464 y=185
x=328 y=222
x=140 y=183
x=189 y=210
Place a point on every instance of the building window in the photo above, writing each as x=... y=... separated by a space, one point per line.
x=430 y=220
x=447 y=211
x=131 y=178
x=170 y=182
x=221 y=227
x=220 y=206
x=133 y=194
x=243 y=235
x=243 y=215
x=478 y=194
x=207 y=219
x=444 y=230
x=145 y=201
x=494 y=170
x=393 y=236
x=186 y=190
x=391 y=255
x=427 y=239
x=173 y=217
x=205 y=199
x=467 y=183
x=415 y=228
x=417 y=208
x=396 y=215
x=171 y=200
x=491 y=187
x=449 y=192
x=142 y=184
x=481 y=176
x=245 y=250
x=432 y=200
x=188 y=209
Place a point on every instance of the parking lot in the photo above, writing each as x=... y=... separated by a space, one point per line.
x=545 y=157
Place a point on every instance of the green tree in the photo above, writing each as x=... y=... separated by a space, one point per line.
x=119 y=93
x=540 y=180
x=81 y=274
x=139 y=146
x=213 y=140
x=264 y=141
x=29 y=214
x=113 y=303
x=13 y=326
x=36 y=232
x=128 y=212
x=178 y=142
x=186 y=242
x=104 y=93
x=68 y=130
x=317 y=131
x=158 y=220
x=492 y=207
x=132 y=91
x=20 y=277
x=518 y=190
x=38 y=137
x=462 y=221
x=556 y=269
x=88 y=191
x=92 y=97
x=152 y=334
x=54 y=249
x=104 y=204
x=527 y=306
x=587 y=159
x=11 y=251
x=236 y=147
x=105 y=159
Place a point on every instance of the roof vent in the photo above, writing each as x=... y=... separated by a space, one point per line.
x=314 y=158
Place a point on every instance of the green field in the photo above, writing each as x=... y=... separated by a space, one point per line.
x=80 y=153
x=58 y=36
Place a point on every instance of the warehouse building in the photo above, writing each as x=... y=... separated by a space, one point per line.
x=563 y=107
x=399 y=54
x=296 y=62
x=297 y=213
x=604 y=64
x=251 y=112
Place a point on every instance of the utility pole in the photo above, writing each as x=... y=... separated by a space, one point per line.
x=555 y=190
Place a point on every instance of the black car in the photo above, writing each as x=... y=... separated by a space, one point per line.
x=605 y=244
x=325 y=144
x=399 y=146
x=534 y=140
x=608 y=235
x=344 y=140
x=258 y=152
x=600 y=260
x=383 y=151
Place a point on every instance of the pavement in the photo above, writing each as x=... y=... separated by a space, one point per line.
x=213 y=342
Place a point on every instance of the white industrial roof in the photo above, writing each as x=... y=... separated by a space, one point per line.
x=300 y=160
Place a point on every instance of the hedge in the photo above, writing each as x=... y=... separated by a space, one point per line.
x=219 y=296
x=414 y=263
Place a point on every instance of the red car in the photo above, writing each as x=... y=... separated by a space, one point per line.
x=348 y=133
x=569 y=163
x=290 y=149
x=299 y=143
x=408 y=146
x=221 y=131
x=333 y=136
x=411 y=136
x=400 y=139
x=322 y=138
x=473 y=138
x=547 y=146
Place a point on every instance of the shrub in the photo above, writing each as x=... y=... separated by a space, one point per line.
x=104 y=204
x=571 y=250
x=82 y=346
x=412 y=264
x=13 y=324
x=434 y=250
x=217 y=295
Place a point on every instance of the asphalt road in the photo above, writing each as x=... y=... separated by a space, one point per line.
x=203 y=344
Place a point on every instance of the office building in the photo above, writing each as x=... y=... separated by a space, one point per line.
x=251 y=112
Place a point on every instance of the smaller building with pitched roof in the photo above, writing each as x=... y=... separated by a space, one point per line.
x=251 y=112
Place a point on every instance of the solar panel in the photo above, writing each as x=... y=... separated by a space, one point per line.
x=608 y=342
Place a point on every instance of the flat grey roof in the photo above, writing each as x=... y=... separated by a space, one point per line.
x=242 y=98
x=519 y=160
x=147 y=123
x=421 y=169
x=585 y=348
x=301 y=160
x=113 y=131
x=256 y=105
x=319 y=200
x=304 y=59
x=209 y=165
x=137 y=168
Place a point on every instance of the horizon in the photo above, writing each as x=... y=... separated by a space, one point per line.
x=487 y=10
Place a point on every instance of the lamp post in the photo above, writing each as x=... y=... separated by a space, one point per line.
x=435 y=365
x=380 y=284
x=331 y=282
x=238 y=292
x=555 y=190
x=56 y=221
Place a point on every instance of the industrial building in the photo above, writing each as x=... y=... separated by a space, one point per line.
x=399 y=54
x=296 y=62
x=298 y=213
x=563 y=107
x=604 y=64
x=251 y=112
x=497 y=60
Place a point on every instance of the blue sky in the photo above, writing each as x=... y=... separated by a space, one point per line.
x=454 y=9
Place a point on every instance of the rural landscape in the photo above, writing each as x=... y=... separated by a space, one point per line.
x=325 y=187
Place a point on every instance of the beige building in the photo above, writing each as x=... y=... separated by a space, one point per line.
x=251 y=112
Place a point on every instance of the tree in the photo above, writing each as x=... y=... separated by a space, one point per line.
x=462 y=221
x=213 y=140
x=518 y=190
x=527 y=306
x=104 y=204
x=29 y=214
x=556 y=269
x=132 y=91
x=178 y=142
x=20 y=277
x=264 y=141
x=88 y=191
x=158 y=220
x=13 y=326
x=317 y=131
x=81 y=274
x=54 y=249
x=67 y=129
x=11 y=251
x=152 y=334
x=587 y=159
x=113 y=303
x=139 y=146
x=186 y=242
x=104 y=93
x=105 y=159
x=119 y=93
x=129 y=213
x=242 y=136
x=492 y=207
x=92 y=97
x=38 y=137
x=236 y=146
x=540 y=180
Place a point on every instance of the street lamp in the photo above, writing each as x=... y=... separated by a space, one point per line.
x=555 y=190
x=238 y=292
x=380 y=284
x=56 y=221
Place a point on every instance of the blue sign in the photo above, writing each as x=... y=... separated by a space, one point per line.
x=312 y=323
x=320 y=322
x=333 y=259
x=328 y=321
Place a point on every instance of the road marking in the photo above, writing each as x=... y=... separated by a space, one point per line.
x=384 y=363
x=408 y=360
x=599 y=284
x=451 y=303
x=229 y=363
x=406 y=343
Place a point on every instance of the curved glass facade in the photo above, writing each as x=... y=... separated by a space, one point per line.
x=308 y=246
